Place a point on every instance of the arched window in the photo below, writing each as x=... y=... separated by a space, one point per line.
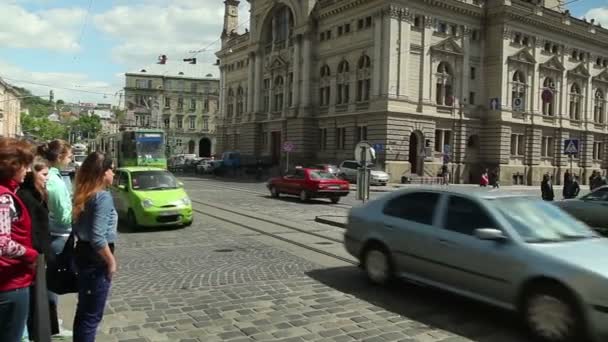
x=240 y=95
x=518 y=86
x=324 y=86
x=547 y=95
x=364 y=78
x=279 y=86
x=599 y=107
x=575 y=102
x=230 y=104
x=444 y=75
x=343 y=87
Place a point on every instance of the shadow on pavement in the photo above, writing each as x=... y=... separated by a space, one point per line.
x=435 y=308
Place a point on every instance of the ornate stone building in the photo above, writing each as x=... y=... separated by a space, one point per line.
x=178 y=98
x=10 y=111
x=497 y=84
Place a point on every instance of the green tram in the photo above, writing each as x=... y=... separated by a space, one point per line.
x=138 y=147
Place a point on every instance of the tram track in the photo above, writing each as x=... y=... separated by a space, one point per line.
x=266 y=232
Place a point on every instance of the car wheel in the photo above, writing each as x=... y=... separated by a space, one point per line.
x=188 y=224
x=304 y=197
x=377 y=265
x=132 y=220
x=274 y=192
x=551 y=314
x=335 y=199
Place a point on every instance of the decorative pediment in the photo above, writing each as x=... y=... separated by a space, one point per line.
x=553 y=64
x=579 y=71
x=447 y=46
x=277 y=63
x=601 y=77
x=523 y=56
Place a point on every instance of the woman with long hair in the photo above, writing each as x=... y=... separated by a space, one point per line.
x=59 y=202
x=33 y=194
x=17 y=255
x=95 y=225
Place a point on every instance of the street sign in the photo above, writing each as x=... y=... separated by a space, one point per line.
x=288 y=146
x=571 y=146
x=378 y=147
x=495 y=103
x=364 y=153
x=518 y=104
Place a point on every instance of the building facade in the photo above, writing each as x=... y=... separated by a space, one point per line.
x=497 y=84
x=179 y=99
x=10 y=111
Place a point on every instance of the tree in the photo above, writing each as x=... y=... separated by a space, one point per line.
x=60 y=102
x=42 y=128
x=87 y=125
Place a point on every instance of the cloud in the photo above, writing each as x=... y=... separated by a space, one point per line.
x=600 y=15
x=84 y=88
x=53 y=29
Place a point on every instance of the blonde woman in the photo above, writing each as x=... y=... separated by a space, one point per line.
x=95 y=222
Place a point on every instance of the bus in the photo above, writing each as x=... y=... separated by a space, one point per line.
x=139 y=147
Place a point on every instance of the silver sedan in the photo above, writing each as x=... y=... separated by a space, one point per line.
x=509 y=250
x=591 y=208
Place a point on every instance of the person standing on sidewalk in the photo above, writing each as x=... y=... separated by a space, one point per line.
x=546 y=188
x=33 y=194
x=95 y=226
x=59 y=201
x=484 y=179
x=17 y=255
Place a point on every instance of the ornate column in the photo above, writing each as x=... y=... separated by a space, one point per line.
x=425 y=78
x=533 y=101
x=250 y=82
x=405 y=31
x=297 y=61
x=306 y=76
x=377 y=59
x=257 y=87
x=466 y=68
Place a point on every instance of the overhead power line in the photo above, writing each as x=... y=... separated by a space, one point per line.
x=58 y=87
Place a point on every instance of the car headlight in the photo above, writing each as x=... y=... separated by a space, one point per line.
x=147 y=203
x=186 y=201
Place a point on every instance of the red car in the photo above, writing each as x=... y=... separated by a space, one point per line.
x=309 y=183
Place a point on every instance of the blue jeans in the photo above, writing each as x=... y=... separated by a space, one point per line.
x=14 y=306
x=93 y=290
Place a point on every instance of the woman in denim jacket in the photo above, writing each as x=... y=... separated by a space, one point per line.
x=95 y=225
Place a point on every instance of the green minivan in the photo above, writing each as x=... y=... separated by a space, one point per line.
x=150 y=197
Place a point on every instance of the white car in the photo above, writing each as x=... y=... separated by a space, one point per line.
x=348 y=171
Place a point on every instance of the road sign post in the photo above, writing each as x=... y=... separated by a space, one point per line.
x=571 y=148
x=364 y=154
x=288 y=147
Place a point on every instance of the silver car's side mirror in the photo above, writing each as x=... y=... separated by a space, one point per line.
x=490 y=234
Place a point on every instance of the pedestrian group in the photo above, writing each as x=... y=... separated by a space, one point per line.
x=49 y=227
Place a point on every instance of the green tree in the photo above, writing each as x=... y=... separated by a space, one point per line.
x=42 y=128
x=87 y=125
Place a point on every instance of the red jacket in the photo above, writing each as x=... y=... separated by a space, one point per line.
x=16 y=252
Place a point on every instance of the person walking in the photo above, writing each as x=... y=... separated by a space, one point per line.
x=573 y=189
x=33 y=194
x=95 y=226
x=495 y=179
x=59 y=202
x=546 y=188
x=17 y=255
x=567 y=185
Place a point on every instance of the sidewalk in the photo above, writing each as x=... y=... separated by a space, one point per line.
x=396 y=186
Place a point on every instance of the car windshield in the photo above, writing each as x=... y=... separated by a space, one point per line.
x=321 y=175
x=153 y=180
x=538 y=221
x=79 y=158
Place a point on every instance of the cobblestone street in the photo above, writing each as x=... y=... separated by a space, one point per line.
x=214 y=281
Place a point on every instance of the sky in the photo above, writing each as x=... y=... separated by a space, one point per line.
x=82 y=48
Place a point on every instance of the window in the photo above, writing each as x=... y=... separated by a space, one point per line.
x=299 y=174
x=323 y=139
x=518 y=87
x=360 y=24
x=547 y=148
x=360 y=134
x=473 y=73
x=123 y=179
x=475 y=35
x=192 y=122
x=340 y=138
x=206 y=105
x=599 y=107
x=598 y=150
x=193 y=87
x=167 y=102
x=442 y=138
x=340 y=31
x=205 y=124
x=322 y=36
x=180 y=122
x=324 y=90
x=464 y=216
x=167 y=122
x=471 y=98
x=178 y=142
x=346 y=28
x=143 y=84
x=444 y=85
x=180 y=103
x=442 y=27
x=364 y=83
x=417 y=207
x=517 y=145
x=548 y=96
x=418 y=21
x=279 y=86
x=266 y=95
x=142 y=120
x=575 y=102
x=343 y=88
x=368 y=22
x=192 y=104
x=328 y=35
x=240 y=97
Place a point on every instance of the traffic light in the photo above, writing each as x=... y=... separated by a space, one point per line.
x=190 y=60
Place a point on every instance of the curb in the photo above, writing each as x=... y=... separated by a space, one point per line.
x=330 y=222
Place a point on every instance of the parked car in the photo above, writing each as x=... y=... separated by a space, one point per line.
x=146 y=196
x=205 y=166
x=591 y=208
x=348 y=171
x=309 y=183
x=512 y=251
x=330 y=168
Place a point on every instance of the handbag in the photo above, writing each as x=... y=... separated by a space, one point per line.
x=61 y=275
